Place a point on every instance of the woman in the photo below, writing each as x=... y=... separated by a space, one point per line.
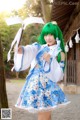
x=41 y=93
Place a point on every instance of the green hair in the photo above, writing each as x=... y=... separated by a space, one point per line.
x=53 y=29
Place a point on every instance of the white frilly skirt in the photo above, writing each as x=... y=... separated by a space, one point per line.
x=39 y=93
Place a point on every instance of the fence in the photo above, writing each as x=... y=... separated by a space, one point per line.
x=71 y=72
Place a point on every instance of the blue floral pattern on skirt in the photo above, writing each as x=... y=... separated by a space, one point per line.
x=40 y=93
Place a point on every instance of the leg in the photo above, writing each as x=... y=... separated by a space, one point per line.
x=44 y=115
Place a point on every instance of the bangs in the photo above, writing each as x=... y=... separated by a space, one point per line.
x=46 y=32
x=49 y=29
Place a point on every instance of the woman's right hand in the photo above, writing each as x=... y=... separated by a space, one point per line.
x=19 y=50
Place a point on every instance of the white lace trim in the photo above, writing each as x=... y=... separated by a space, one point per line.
x=34 y=110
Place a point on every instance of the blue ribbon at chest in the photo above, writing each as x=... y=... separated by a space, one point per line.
x=41 y=62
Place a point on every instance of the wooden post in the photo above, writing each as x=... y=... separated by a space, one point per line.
x=3 y=95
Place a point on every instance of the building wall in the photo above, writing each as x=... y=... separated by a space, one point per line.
x=73 y=23
x=74 y=53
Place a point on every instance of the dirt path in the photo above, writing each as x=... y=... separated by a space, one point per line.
x=70 y=112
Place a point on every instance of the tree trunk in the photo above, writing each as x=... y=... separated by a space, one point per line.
x=3 y=95
x=46 y=10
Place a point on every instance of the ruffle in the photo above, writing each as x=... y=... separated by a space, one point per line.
x=34 y=110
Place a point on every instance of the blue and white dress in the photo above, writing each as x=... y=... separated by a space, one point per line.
x=40 y=91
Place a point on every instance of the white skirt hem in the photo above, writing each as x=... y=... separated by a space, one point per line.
x=34 y=110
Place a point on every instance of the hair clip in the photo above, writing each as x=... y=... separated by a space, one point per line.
x=54 y=22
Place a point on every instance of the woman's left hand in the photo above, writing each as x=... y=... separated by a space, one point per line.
x=46 y=57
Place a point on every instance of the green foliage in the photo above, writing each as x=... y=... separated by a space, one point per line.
x=7 y=34
x=30 y=8
x=31 y=33
x=35 y=8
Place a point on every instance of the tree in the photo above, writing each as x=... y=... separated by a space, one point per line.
x=46 y=10
x=30 y=8
x=3 y=95
x=38 y=8
x=7 y=34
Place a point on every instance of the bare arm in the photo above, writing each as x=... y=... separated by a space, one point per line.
x=19 y=50
x=62 y=56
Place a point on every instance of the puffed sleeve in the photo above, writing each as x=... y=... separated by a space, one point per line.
x=23 y=61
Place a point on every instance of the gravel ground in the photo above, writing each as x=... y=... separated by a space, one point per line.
x=69 y=112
